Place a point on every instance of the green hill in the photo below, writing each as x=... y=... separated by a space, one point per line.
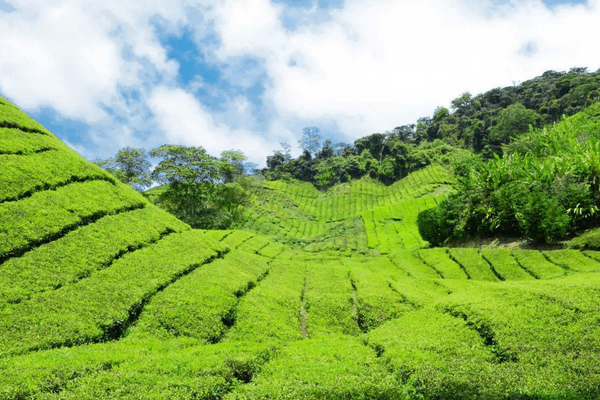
x=321 y=295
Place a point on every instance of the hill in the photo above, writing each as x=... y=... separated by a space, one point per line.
x=321 y=295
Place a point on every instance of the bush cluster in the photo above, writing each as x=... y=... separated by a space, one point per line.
x=545 y=187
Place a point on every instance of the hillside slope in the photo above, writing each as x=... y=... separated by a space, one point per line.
x=326 y=295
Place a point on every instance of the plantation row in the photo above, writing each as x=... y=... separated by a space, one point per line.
x=82 y=252
x=48 y=215
x=102 y=306
x=300 y=216
x=23 y=175
x=394 y=227
x=348 y=200
x=336 y=329
x=15 y=141
x=12 y=117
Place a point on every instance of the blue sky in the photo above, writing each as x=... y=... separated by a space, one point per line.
x=250 y=74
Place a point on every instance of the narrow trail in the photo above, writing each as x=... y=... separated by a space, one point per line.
x=304 y=308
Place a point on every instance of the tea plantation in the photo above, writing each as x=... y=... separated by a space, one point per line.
x=323 y=294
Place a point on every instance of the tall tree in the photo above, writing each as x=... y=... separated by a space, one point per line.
x=191 y=174
x=232 y=165
x=311 y=140
x=130 y=166
x=287 y=150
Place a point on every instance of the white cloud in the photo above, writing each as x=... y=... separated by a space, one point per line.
x=183 y=120
x=366 y=68
x=378 y=64
x=72 y=55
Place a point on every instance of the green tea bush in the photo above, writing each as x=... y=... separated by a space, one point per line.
x=12 y=117
x=413 y=266
x=440 y=261
x=270 y=312
x=202 y=305
x=334 y=367
x=14 y=141
x=133 y=369
x=102 y=306
x=505 y=264
x=24 y=175
x=537 y=265
x=83 y=251
x=474 y=265
x=328 y=294
x=572 y=260
x=45 y=216
x=376 y=301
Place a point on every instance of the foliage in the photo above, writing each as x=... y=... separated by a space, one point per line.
x=512 y=121
x=105 y=296
x=83 y=251
x=15 y=141
x=130 y=166
x=48 y=215
x=63 y=316
x=23 y=175
x=191 y=175
x=203 y=304
x=544 y=188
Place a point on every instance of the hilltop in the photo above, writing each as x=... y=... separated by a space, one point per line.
x=321 y=294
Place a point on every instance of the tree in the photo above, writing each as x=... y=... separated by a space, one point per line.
x=460 y=104
x=327 y=151
x=130 y=166
x=311 y=140
x=232 y=165
x=274 y=161
x=287 y=151
x=191 y=174
x=513 y=120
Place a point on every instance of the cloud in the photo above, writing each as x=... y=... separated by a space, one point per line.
x=183 y=120
x=378 y=64
x=76 y=56
x=354 y=69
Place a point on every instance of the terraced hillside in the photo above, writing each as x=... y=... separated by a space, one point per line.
x=351 y=217
x=325 y=295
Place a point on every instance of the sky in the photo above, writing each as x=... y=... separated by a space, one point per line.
x=250 y=74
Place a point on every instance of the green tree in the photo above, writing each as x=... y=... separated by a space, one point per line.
x=130 y=166
x=512 y=121
x=287 y=151
x=232 y=165
x=191 y=174
x=277 y=159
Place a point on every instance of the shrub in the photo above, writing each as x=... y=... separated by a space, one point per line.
x=433 y=227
